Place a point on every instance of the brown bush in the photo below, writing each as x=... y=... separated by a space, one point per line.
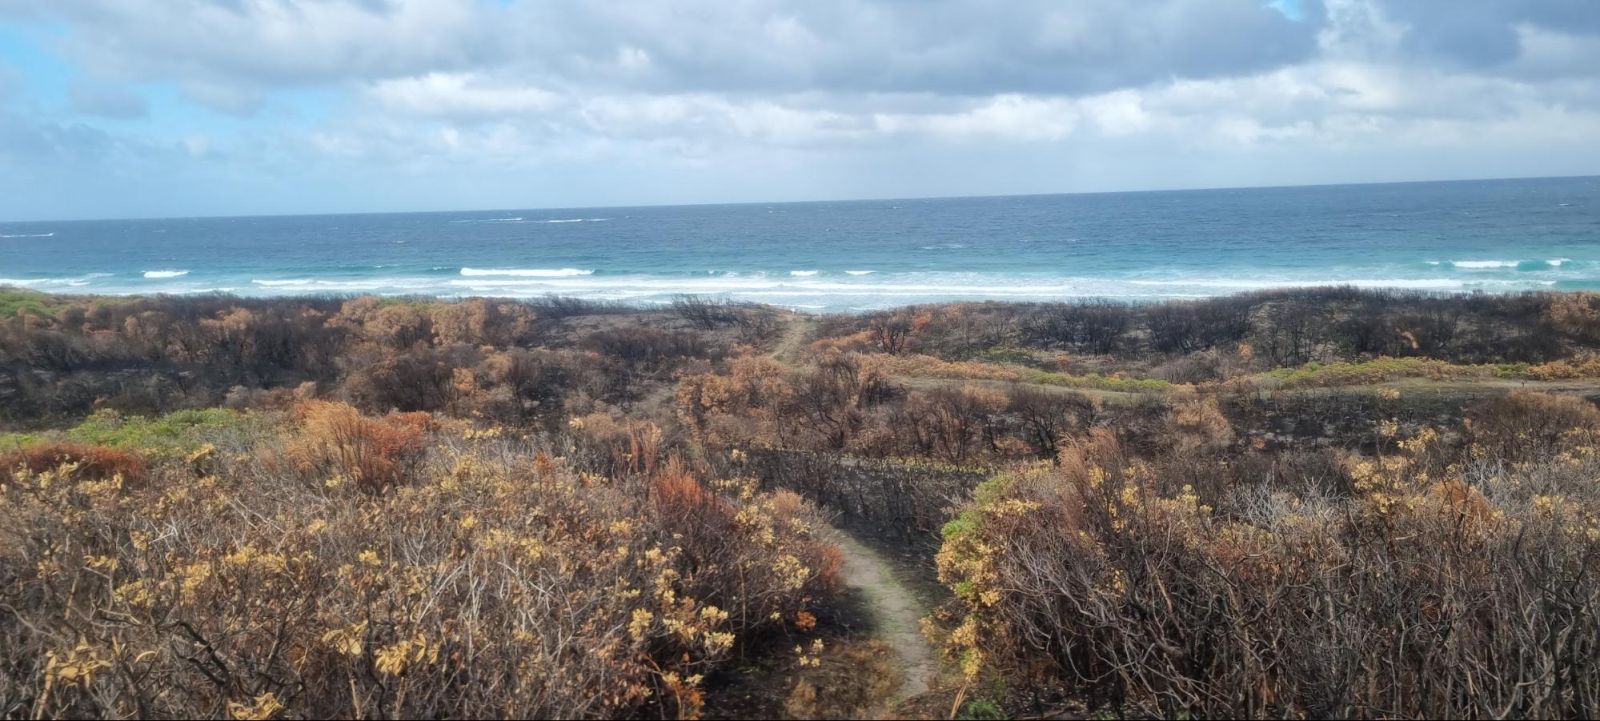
x=334 y=443
x=844 y=681
x=99 y=463
x=1195 y=423
x=498 y=583
x=1575 y=314
x=649 y=347
x=1048 y=416
x=1524 y=425
x=1425 y=595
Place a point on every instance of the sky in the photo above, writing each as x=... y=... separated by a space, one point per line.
x=159 y=108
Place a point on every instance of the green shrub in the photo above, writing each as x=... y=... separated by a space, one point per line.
x=172 y=434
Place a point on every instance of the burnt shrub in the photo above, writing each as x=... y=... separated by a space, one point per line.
x=648 y=347
x=1127 y=583
x=1524 y=425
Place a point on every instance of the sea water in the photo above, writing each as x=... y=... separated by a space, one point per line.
x=1492 y=236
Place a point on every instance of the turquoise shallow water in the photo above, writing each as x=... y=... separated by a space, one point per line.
x=1463 y=236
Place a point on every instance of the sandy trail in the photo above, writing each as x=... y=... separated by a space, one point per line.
x=795 y=335
x=897 y=615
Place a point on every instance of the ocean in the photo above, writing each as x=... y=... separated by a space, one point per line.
x=1462 y=236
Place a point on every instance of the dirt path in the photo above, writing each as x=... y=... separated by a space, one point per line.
x=795 y=335
x=897 y=615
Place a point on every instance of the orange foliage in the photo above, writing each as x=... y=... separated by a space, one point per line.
x=93 y=462
x=336 y=440
x=676 y=493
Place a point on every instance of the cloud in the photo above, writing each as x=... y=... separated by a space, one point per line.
x=947 y=46
x=460 y=95
x=108 y=100
x=10 y=81
x=26 y=144
x=225 y=51
x=736 y=98
x=1486 y=34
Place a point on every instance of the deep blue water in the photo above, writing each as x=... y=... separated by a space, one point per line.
x=1452 y=236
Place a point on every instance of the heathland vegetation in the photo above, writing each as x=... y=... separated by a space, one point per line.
x=1301 y=503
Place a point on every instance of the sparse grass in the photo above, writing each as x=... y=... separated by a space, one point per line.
x=173 y=434
x=1095 y=381
x=1010 y=355
x=1383 y=369
x=17 y=300
x=922 y=366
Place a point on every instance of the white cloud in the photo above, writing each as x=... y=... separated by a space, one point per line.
x=460 y=95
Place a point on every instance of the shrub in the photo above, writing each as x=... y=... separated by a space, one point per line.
x=842 y=681
x=1576 y=315
x=1126 y=585
x=1381 y=369
x=175 y=433
x=498 y=583
x=94 y=462
x=649 y=347
x=705 y=313
x=334 y=443
x=1047 y=417
x=1523 y=425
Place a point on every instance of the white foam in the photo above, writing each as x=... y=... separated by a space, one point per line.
x=805 y=288
x=1240 y=284
x=77 y=281
x=29 y=235
x=350 y=285
x=1558 y=262
x=1484 y=264
x=527 y=272
x=154 y=274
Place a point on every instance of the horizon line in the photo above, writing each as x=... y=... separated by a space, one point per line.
x=881 y=199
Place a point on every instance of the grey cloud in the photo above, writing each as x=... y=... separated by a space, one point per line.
x=1486 y=33
x=10 y=80
x=703 y=100
x=266 y=43
x=47 y=146
x=109 y=100
x=233 y=99
x=941 y=46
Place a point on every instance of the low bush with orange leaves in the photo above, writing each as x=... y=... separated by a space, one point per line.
x=336 y=443
x=87 y=460
x=468 y=574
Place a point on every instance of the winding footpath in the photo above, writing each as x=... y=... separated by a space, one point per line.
x=896 y=614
